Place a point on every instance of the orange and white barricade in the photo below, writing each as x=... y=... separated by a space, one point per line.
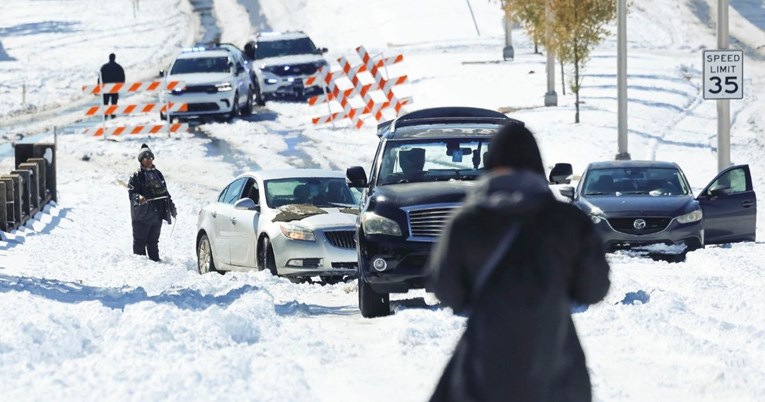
x=360 y=90
x=138 y=129
x=129 y=88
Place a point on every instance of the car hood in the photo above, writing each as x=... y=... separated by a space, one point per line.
x=334 y=218
x=316 y=218
x=283 y=60
x=407 y=194
x=200 y=78
x=641 y=205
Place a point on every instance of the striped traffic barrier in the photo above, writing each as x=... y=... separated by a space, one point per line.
x=359 y=92
x=134 y=109
x=138 y=129
x=121 y=87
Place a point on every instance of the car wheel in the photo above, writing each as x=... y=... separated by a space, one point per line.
x=259 y=99
x=234 y=108
x=267 y=258
x=248 y=106
x=205 y=261
x=371 y=303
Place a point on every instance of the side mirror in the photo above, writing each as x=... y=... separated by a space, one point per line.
x=356 y=177
x=161 y=73
x=239 y=70
x=567 y=191
x=247 y=204
x=323 y=50
x=719 y=189
x=561 y=173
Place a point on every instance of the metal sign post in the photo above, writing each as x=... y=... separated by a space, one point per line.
x=729 y=86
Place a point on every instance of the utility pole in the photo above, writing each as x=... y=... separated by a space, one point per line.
x=621 y=79
x=508 y=53
x=723 y=105
x=551 y=98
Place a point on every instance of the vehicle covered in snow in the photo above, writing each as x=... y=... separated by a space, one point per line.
x=296 y=223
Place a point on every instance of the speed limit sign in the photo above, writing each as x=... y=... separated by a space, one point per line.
x=723 y=74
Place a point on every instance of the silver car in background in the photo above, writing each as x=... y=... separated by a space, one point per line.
x=296 y=223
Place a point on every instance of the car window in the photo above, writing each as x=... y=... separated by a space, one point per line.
x=432 y=160
x=277 y=48
x=200 y=65
x=234 y=191
x=251 y=190
x=653 y=181
x=318 y=191
x=734 y=179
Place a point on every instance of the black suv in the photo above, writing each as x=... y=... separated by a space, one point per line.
x=425 y=162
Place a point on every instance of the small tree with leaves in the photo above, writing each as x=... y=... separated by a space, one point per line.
x=531 y=15
x=579 y=26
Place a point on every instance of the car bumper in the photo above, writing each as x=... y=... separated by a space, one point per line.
x=691 y=235
x=405 y=263
x=299 y=258
x=203 y=104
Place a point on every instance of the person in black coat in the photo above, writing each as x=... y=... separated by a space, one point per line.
x=111 y=72
x=150 y=204
x=520 y=343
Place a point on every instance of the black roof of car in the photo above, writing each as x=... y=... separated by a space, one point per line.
x=445 y=122
x=631 y=163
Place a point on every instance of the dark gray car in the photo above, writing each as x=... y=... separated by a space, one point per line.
x=637 y=203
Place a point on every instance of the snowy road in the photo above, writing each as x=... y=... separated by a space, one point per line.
x=83 y=317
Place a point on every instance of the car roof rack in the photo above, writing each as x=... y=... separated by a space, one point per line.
x=446 y=115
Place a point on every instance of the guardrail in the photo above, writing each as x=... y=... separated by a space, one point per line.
x=28 y=188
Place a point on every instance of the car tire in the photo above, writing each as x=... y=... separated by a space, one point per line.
x=267 y=258
x=248 y=106
x=205 y=262
x=371 y=303
x=234 y=108
x=259 y=99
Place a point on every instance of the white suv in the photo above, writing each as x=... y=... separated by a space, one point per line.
x=217 y=83
x=282 y=61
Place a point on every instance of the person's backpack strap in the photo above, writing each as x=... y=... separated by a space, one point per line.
x=491 y=264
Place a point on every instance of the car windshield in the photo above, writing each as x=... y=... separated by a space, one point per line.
x=651 y=181
x=276 y=48
x=432 y=160
x=322 y=192
x=201 y=65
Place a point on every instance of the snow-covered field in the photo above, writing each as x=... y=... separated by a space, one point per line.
x=83 y=318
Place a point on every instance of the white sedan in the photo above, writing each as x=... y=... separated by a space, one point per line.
x=295 y=223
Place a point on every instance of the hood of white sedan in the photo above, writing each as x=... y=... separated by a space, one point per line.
x=332 y=219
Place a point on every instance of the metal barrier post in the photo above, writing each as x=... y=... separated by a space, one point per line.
x=3 y=209
x=33 y=184
x=41 y=182
x=24 y=191
x=15 y=188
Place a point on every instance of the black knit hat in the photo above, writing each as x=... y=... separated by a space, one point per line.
x=144 y=152
x=514 y=146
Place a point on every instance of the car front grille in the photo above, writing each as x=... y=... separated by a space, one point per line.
x=295 y=69
x=427 y=222
x=627 y=225
x=210 y=89
x=202 y=107
x=341 y=238
x=345 y=265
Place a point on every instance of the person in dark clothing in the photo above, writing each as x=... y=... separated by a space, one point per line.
x=520 y=343
x=111 y=72
x=150 y=204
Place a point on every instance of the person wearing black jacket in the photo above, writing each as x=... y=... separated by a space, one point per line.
x=111 y=72
x=520 y=343
x=150 y=204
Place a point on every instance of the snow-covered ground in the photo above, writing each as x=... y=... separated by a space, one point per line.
x=83 y=318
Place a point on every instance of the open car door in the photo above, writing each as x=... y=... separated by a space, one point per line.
x=729 y=206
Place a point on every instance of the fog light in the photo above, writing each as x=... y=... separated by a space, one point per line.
x=271 y=81
x=379 y=264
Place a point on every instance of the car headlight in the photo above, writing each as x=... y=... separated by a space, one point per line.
x=224 y=87
x=597 y=215
x=296 y=232
x=691 y=217
x=376 y=224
